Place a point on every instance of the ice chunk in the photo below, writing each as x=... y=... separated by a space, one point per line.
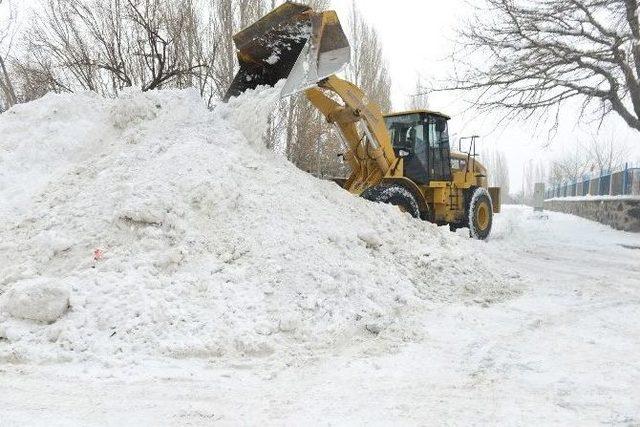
x=38 y=299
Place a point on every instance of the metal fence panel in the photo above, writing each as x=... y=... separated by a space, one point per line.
x=620 y=181
x=604 y=185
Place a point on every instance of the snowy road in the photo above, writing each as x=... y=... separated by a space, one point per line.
x=564 y=352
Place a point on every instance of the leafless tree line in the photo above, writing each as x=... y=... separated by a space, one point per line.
x=368 y=68
x=598 y=154
x=107 y=46
x=497 y=169
x=531 y=56
x=419 y=100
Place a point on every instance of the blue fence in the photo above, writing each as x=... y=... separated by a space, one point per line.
x=621 y=181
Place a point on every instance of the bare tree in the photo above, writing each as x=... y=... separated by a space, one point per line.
x=7 y=89
x=606 y=153
x=229 y=17
x=368 y=68
x=538 y=54
x=569 y=167
x=198 y=39
x=419 y=99
x=105 y=46
x=498 y=169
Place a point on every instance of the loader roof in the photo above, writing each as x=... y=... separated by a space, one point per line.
x=402 y=113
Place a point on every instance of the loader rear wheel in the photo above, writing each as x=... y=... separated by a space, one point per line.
x=480 y=214
x=396 y=195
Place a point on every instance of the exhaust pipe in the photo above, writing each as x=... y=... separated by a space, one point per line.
x=291 y=42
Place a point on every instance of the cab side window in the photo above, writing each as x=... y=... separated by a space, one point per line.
x=434 y=140
x=438 y=133
x=458 y=164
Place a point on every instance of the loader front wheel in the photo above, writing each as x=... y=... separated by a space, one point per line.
x=396 y=195
x=480 y=214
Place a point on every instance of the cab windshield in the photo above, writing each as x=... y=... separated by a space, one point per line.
x=423 y=140
x=406 y=131
x=408 y=134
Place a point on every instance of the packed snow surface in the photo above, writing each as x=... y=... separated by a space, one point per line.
x=563 y=352
x=148 y=226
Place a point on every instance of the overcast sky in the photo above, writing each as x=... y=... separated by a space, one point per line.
x=418 y=37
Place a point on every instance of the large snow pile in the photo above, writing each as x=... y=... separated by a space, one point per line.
x=148 y=226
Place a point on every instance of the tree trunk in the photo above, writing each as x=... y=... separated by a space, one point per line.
x=7 y=86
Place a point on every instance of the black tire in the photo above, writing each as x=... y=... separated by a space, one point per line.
x=396 y=195
x=479 y=213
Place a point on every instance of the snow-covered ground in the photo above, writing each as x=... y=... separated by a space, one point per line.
x=565 y=352
x=158 y=266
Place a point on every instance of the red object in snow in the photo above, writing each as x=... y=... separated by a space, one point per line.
x=97 y=254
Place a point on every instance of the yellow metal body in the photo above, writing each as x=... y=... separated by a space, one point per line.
x=373 y=160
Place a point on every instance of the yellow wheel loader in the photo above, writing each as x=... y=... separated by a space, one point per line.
x=402 y=159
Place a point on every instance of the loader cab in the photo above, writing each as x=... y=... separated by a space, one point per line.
x=422 y=139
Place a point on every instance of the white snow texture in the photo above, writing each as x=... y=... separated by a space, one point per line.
x=147 y=226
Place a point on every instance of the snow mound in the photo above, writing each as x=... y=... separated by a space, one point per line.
x=38 y=300
x=178 y=235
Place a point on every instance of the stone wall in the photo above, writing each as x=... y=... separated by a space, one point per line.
x=619 y=213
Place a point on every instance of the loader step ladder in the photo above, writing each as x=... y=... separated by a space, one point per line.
x=454 y=198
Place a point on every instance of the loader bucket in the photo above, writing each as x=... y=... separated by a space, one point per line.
x=292 y=42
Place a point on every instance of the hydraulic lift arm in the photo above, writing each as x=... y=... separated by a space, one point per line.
x=361 y=125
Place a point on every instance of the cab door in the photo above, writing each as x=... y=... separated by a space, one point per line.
x=408 y=136
x=439 y=151
x=416 y=164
